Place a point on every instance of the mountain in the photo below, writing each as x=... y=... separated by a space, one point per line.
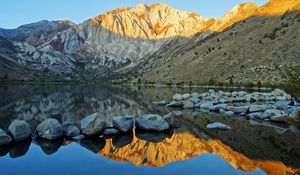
x=96 y=48
x=262 y=47
x=35 y=33
x=238 y=13
x=278 y=7
x=116 y=43
x=154 y=21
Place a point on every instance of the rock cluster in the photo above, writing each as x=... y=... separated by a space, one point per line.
x=92 y=125
x=272 y=106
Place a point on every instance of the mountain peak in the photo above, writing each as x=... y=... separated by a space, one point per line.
x=236 y=14
x=278 y=7
x=150 y=21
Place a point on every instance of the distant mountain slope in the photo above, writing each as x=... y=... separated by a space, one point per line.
x=260 y=48
x=35 y=32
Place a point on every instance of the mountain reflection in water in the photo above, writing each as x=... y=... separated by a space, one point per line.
x=182 y=146
x=246 y=147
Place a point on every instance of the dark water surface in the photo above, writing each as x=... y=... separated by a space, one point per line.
x=191 y=149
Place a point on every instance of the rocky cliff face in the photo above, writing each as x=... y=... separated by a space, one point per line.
x=115 y=42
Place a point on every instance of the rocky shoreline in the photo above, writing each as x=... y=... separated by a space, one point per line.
x=274 y=106
x=93 y=125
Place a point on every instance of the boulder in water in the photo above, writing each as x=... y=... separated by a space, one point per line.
x=50 y=129
x=93 y=124
x=152 y=122
x=5 y=139
x=20 y=130
x=123 y=123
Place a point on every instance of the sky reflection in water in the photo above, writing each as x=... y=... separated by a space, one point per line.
x=74 y=159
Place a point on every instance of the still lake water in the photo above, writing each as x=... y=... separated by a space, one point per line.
x=191 y=149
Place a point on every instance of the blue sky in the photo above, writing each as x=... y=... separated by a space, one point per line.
x=14 y=13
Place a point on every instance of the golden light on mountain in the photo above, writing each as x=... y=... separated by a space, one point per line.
x=278 y=7
x=159 y=21
x=182 y=146
x=154 y=21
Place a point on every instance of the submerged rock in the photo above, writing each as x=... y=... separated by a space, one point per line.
x=177 y=97
x=50 y=146
x=111 y=131
x=71 y=131
x=152 y=122
x=177 y=113
x=170 y=118
x=188 y=104
x=79 y=137
x=50 y=129
x=20 y=130
x=257 y=108
x=195 y=100
x=93 y=124
x=273 y=112
x=238 y=109
x=255 y=115
x=281 y=118
x=20 y=148
x=4 y=149
x=185 y=96
x=93 y=144
x=161 y=103
x=206 y=105
x=153 y=136
x=122 y=140
x=175 y=104
x=124 y=124
x=218 y=125
x=229 y=113
x=5 y=139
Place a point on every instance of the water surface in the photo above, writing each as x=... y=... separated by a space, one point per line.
x=191 y=149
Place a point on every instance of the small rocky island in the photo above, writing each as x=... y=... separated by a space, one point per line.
x=274 y=106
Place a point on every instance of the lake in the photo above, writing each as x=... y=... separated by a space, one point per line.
x=248 y=148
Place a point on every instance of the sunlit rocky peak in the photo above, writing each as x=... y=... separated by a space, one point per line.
x=154 y=21
x=236 y=14
x=278 y=7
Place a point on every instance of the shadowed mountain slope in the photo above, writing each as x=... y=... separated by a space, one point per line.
x=259 y=48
